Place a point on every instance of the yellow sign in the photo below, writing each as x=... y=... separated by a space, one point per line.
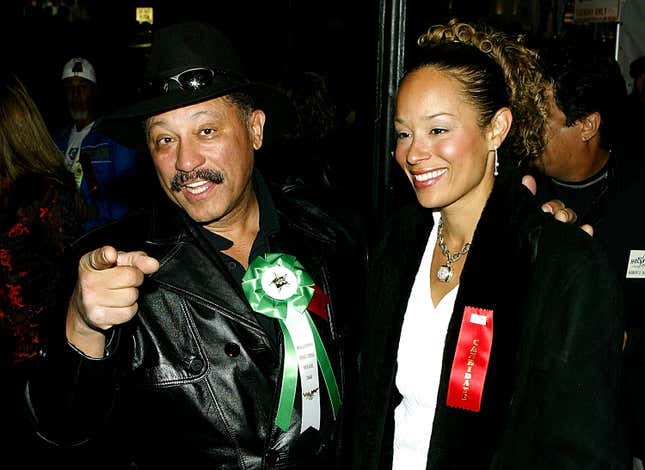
x=144 y=14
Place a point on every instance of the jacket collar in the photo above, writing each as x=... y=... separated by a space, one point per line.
x=499 y=251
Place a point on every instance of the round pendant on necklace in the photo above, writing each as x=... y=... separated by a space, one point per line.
x=444 y=273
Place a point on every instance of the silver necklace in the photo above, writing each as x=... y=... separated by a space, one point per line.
x=445 y=272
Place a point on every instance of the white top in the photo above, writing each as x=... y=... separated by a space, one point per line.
x=419 y=365
x=74 y=144
x=73 y=152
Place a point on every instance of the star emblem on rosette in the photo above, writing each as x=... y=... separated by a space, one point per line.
x=275 y=282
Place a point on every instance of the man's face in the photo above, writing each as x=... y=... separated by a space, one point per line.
x=80 y=94
x=203 y=155
x=563 y=143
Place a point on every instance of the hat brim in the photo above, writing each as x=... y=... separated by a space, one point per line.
x=125 y=125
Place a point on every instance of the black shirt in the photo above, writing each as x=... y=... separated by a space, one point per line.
x=269 y=225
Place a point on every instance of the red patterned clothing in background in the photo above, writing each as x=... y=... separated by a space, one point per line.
x=39 y=217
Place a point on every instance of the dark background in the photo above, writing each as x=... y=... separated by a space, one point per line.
x=334 y=37
x=358 y=45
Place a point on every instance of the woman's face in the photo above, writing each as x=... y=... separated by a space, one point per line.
x=446 y=156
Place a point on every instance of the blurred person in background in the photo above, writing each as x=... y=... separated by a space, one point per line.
x=303 y=157
x=584 y=159
x=40 y=214
x=637 y=72
x=316 y=154
x=635 y=128
x=107 y=173
x=588 y=169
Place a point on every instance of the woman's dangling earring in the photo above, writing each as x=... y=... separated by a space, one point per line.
x=496 y=162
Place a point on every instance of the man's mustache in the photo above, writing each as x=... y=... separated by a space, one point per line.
x=214 y=176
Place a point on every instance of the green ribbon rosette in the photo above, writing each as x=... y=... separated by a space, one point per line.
x=276 y=285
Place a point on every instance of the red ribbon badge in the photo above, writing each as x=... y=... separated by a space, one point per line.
x=318 y=303
x=471 y=359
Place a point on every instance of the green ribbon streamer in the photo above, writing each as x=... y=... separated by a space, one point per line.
x=325 y=368
x=266 y=305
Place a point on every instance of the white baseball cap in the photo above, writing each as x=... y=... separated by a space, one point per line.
x=79 y=67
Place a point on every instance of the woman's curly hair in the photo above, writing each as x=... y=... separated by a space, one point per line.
x=481 y=58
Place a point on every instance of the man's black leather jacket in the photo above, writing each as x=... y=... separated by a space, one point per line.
x=193 y=380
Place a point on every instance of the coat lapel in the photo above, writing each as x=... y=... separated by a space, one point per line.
x=178 y=244
x=494 y=277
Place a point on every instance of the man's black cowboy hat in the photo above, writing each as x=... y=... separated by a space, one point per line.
x=192 y=62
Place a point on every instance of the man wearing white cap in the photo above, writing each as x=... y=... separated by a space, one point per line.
x=103 y=168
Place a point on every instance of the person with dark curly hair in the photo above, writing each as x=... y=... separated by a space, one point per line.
x=494 y=331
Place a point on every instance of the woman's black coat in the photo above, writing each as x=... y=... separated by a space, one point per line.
x=551 y=391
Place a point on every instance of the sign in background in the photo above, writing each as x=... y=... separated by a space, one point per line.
x=596 y=11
